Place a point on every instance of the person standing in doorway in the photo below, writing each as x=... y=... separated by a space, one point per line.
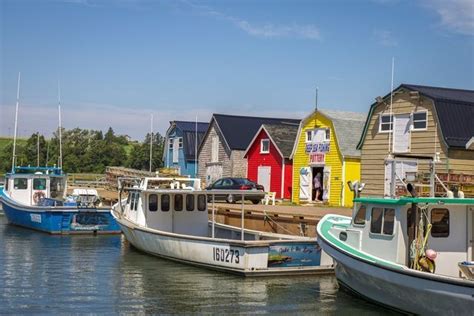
x=317 y=186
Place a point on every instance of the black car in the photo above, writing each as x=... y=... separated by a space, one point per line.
x=236 y=184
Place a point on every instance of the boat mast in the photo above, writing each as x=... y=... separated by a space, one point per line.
x=37 y=149
x=195 y=149
x=16 y=122
x=390 y=134
x=151 y=141
x=60 y=162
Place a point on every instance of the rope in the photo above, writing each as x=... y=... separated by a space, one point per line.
x=283 y=228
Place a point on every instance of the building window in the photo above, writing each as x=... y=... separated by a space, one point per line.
x=20 y=183
x=420 y=120
x=170 y=143
x=201 y=202
x=359 y=218
x=153 y=203
x=386 y=123
x=39 y=184
x=215 y=149
x=180 y=142
x=165 y=202
x=265 y=146
x=189 y=202
x=382 y=221
x=309 y=136
x=328 y=134
x=440 y=222
x=178 y=202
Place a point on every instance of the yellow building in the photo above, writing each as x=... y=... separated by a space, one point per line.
x=325 y=155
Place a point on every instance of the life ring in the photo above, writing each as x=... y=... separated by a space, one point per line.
x=38 y=196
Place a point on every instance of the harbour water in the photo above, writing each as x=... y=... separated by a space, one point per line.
x=104 y=274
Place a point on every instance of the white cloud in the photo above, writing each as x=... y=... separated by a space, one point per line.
x=456 y=15
x=385 y=38
x=266 y=30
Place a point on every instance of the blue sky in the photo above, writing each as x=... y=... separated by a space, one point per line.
x=121 y=61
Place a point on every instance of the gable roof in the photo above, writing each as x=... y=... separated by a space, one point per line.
x=348 y=127
x=238 y=131
x=454 y=109
x=283 y=137
x=189 y=135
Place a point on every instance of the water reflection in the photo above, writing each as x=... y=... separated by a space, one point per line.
x=104 y=274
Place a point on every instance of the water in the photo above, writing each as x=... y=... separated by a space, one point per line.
x=104 y=274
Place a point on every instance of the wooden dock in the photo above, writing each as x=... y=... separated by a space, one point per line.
x=282 y=219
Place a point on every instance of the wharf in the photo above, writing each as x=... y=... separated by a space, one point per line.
x=282 y=219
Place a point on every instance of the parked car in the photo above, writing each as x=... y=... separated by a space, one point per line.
x=237 y=184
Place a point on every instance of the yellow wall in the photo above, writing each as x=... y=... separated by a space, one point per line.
x=333 y=159
x=352 y=173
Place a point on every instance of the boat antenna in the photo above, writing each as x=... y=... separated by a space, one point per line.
x=16 y=122
x=47 y=152
x=60 y=163
x=151 y=141
x=196 y=149
x=390 y=134
x=37 y=149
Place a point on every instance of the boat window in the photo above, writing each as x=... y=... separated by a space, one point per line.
x=165 y=202
x=39 y=184
x=190 y=202
x=201 y=202
x=6 y=184
x=376 y=220
x=178 y=202
x=359 y=218
x=129 y=197
x=56 y=187
x=20 y=183
x=153 y=203
x=388 y=221
x=440 y=222
x=134 y=204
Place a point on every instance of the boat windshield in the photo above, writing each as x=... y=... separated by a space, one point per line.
x=56 y=187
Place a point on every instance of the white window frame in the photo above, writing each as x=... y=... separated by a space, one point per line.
x=380 y=123
x=215 y=148
x=328 y=133
x=413 y=121
x=384 y=210
x=311 y=131
x=262 y=151
x=170 y=143
x=180 y=142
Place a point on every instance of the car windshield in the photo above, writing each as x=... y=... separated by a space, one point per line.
x=243 y=181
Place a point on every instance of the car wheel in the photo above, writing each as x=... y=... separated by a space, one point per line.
x=255 y=201
x=230 y=199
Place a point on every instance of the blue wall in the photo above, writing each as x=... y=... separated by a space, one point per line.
x=186 y=167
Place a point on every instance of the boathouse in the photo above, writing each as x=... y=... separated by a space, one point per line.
x=268 y=158
x=181 y=146
x=325 y=149
x=425 y=127
x=222 y=150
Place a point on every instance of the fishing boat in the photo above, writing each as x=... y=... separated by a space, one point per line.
x=413 y=254
x=35 y=197
x=169 y=218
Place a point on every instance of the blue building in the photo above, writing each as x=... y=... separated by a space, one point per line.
x=180 y=146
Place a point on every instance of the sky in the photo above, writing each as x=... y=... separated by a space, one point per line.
x=119 y=62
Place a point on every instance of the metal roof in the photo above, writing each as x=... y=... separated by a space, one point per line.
x=189 y=136
x=239 y=131
x=283 y=136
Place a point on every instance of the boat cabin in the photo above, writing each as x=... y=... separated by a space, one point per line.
x=30 y=185
x=389 y=229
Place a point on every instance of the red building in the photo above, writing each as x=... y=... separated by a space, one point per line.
x=268 y=158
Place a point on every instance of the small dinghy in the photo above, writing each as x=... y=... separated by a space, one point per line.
x=169 y=218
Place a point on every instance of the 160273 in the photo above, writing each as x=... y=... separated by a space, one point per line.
x=225 y=255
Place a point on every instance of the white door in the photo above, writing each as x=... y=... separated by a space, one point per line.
x=263 y=177
x=326 y=183
x=306 y=185
x=176 y=150
x=401 y=133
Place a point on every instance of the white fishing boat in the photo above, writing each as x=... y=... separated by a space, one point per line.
x=169 y=218
x=413 y=254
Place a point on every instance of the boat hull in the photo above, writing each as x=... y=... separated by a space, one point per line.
x=408 y=292
x=60 y=220
x=219 y=254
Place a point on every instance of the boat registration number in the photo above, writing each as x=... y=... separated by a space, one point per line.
x=226 y=255
x=35 y=218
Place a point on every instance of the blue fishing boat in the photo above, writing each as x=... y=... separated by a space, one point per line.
x=35 y=197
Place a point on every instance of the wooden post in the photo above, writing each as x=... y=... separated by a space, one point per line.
x=242 y=218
